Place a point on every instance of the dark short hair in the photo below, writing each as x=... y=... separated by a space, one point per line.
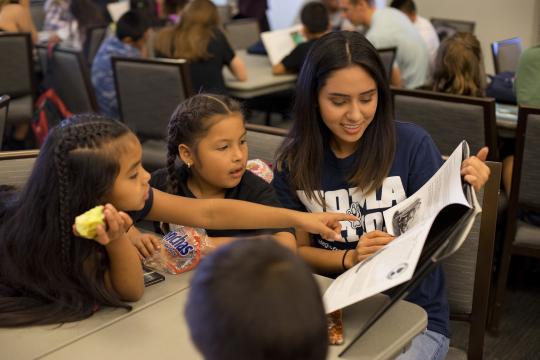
x=254 y=299
x=314 y=17
x=407 y=6
x=132 y=24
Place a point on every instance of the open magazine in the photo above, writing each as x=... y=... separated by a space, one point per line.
x=429 y=225
x=279 y=43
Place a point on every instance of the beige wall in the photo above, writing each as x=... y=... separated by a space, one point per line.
x=495 y=19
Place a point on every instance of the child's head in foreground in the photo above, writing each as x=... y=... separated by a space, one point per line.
x=256 y=300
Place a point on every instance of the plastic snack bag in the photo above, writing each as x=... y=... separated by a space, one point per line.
x=181 y=250
x=261 y=169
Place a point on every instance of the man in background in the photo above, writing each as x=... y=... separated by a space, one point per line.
x=387 y=28
x=130 y=41
x=423 y=25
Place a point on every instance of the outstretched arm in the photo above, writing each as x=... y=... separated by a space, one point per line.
x=235 y=214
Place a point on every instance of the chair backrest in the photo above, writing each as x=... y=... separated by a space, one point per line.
x=449 y=119
x=69 y=78
x=264 y=141
x=4 y=105
x=16 y=65
x=16 y=166
x=506 y=54
x=468 y=271
x=388 y=56
x=148 y=91
x=242 y=33
x=526 y=174
x=37 y=12
x=94 y=37
x=447 y=27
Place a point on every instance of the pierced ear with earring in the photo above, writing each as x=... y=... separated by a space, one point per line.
x=188 y=165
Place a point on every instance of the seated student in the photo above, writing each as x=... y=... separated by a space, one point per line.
x=459 y=66
x=255 y=300
x=15 y=17
x=315 y=23
x=423 y=25
x=197 y=38
x=207 y=133
x=173 y=10
x=388 y=27
x=346 y=152
x=49 y=274
x=527 y=87
x=130 y=41
x=69 y=19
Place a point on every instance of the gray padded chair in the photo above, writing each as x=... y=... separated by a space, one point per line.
x=4 y=105
x=388 y=56
x=94 y=37
x=446 y=27
x=506 y=54
x=468 y=271
x=521 y=238
x=70 y=78
x=148 y=91
x=449 y=119
x=264 y=141
x=16 y=166
x=242 y=33
x=17 y=75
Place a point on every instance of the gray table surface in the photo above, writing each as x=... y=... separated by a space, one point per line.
x=260 y=80
x=159 y=330
x=37 y=341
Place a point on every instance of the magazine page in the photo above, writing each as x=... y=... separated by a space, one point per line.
x=389 y=267
x=444 y=188
x=411 y=221
x=280 y=43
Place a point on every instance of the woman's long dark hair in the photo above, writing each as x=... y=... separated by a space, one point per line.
x=47 y=274
x=303 y=150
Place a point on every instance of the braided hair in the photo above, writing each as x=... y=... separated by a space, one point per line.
x=47 y=274
x=189 y=123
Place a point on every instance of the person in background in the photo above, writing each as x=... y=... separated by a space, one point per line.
x=69 y=20
x=254 y=9
x=388 y=27
x=315 y=23
x=15 y=17
x=423 y=25
x=173 y=10
x=346 y=152
x=207 y=133
x=527 y=82
x=459 y=67
x=256 y=300
x=198 y=39
x=527 y=85
x=129 y=41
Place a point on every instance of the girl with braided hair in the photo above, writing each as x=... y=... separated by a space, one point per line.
x=50 y=275
x=207 y=133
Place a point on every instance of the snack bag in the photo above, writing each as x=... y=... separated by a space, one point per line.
x=86 y=223
x=261 y=169
x=180 y=250
x=335 y=328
